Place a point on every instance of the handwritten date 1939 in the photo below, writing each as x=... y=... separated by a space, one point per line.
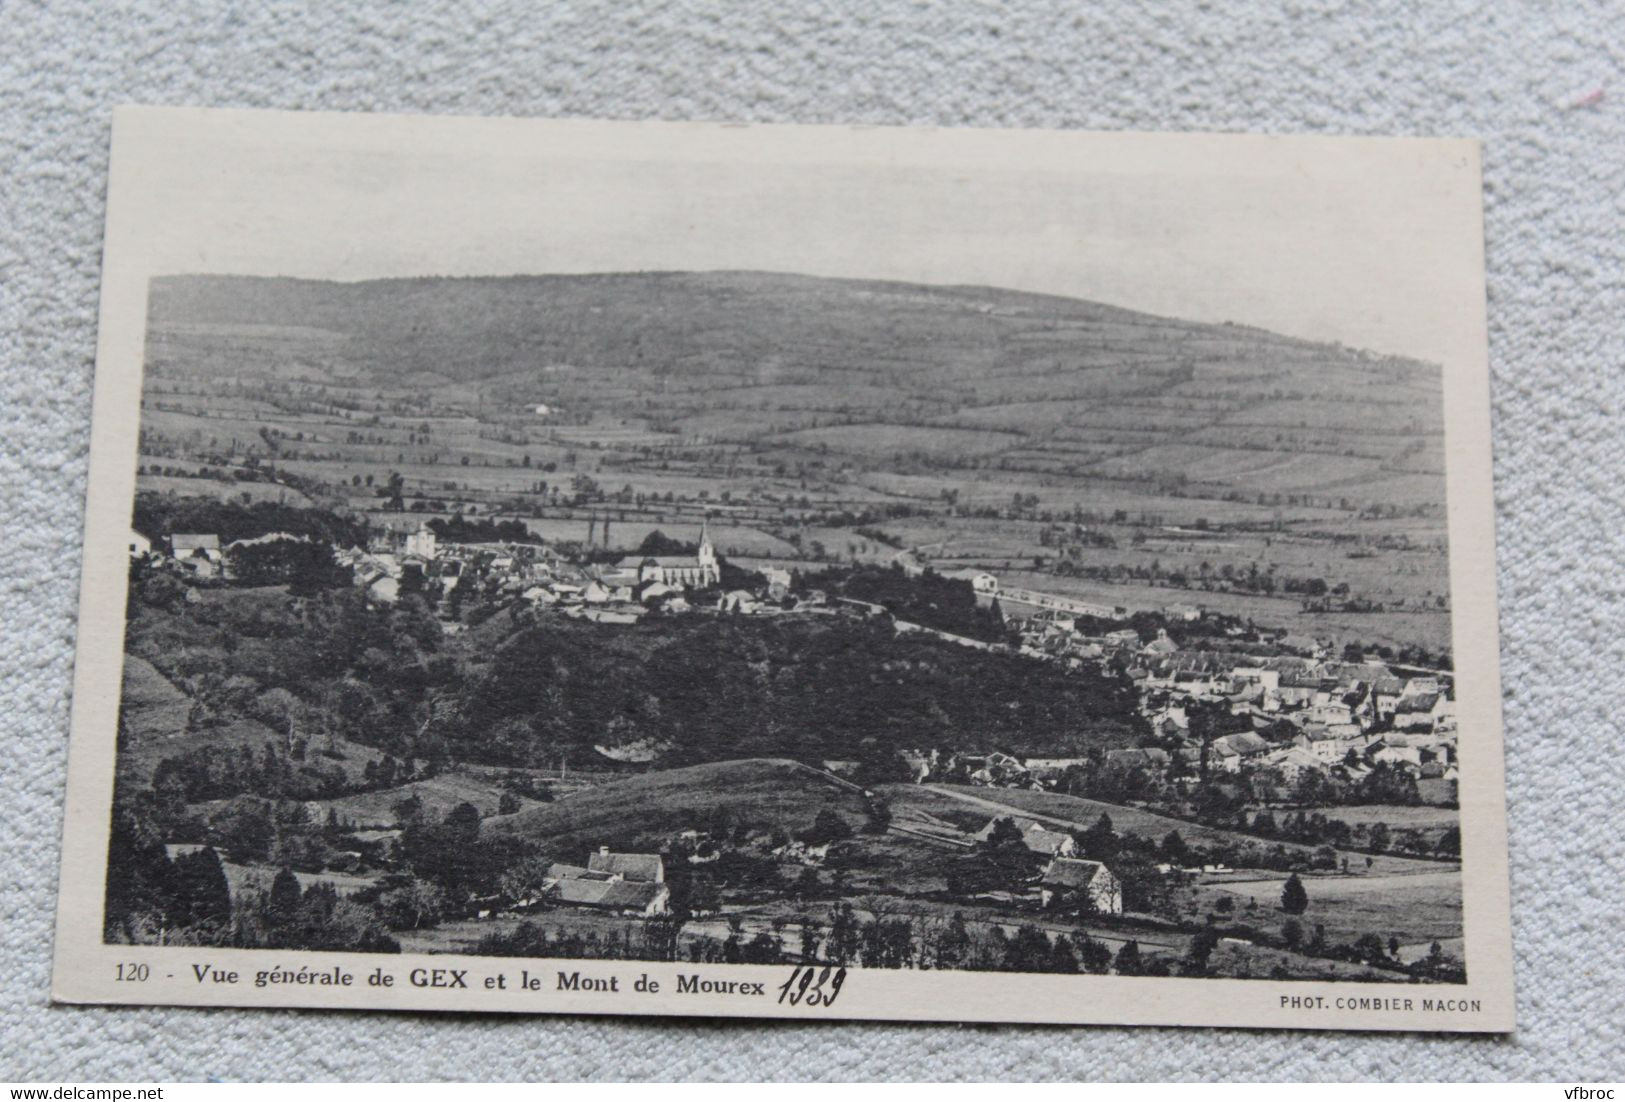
x=813 y=986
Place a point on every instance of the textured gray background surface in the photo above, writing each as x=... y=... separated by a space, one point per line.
x=1522 y=78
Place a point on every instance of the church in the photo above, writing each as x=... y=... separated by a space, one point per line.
x=700 y=571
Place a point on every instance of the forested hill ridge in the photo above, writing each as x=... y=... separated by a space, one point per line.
x=939 y=346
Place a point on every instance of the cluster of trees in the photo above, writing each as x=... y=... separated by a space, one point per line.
x=654 y=940
x=315 y=917
x=187 y=900
x=464 y=863
x=1313 y=828
x=460 y=529
x=217 y=772
x=947 y=604
x=159 y=515
x=826 y=688
x=319 y=669
x=1370 y=949
x=303 y=566
x=151 y=897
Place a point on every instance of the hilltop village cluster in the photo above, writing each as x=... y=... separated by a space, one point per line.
x=399 y=561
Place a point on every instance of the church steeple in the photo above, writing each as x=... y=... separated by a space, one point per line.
x=706 y=556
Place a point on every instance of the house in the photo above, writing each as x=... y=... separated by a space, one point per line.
x=1161 y=645
x=738 y=600
x=1183 y=612
x=1293 y=763
x=617 y=577
x=984 y=583
x=1298 y=690
x=1038 y=838
x=1152 y=760
x=1246 y=744
x=627 y=883
x=193 y=545
x=919 y=763
x=620 y=896
x=1383 y=751
x=656 y=590
x=1421 y=711
x=1331 y=712
x=140 y=546
x=1255 y=676
x=1053 y=765
x=421 y=543
x=1072 y=878
x=646 y=867
x=1328 y=746
x=198 y=553
x=700 y=570
x=1170 y=719
x=1385 y=693
x=1221 y=757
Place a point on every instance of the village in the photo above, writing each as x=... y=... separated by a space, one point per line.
x=580 y=648
x=1292 y=718
x=1270 y=724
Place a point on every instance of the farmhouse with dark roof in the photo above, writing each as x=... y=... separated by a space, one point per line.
x=630 y=883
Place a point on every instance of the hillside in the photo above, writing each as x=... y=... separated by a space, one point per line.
x=814 y=688
x=889 y=374
x=645 y=811
x=800 y=328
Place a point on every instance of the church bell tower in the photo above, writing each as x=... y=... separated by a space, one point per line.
x=706 y=556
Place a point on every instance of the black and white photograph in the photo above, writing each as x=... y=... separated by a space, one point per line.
x=819 y=550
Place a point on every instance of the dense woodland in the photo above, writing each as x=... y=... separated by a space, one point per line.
x=717 y=688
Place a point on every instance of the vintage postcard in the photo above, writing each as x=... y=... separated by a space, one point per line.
x=804 y=572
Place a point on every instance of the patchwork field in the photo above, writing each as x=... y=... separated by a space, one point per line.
x=975 y=424
x=1077 y=813
x=646 y=810
x=1415 y=908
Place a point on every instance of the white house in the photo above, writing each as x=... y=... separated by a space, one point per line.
x=1293 y=762
x=1421 y=712
x=1071 y=877
x=1037 y=837
x=187 y=545
x=421 y=543
x=738 y=600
